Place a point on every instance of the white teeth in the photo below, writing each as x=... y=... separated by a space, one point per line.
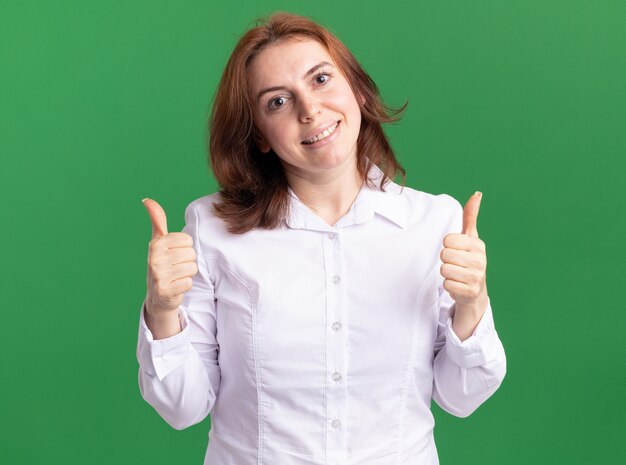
x=323 y=135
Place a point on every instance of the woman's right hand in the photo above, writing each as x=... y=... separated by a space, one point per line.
x=171 y=266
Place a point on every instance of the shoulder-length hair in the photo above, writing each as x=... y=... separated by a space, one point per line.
x=253 y=186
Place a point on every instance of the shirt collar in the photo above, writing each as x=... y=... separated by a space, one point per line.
x=370 y=200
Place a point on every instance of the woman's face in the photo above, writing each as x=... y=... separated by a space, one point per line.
x=307 y=96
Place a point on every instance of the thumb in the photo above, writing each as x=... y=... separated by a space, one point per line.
x=157 y=217
x=470 y=214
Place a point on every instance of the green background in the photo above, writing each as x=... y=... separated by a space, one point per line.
x=102 y=104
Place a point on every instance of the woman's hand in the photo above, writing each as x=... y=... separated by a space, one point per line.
x=171 y=266
x=464 y=269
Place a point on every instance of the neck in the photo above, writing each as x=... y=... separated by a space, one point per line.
x=330 y=195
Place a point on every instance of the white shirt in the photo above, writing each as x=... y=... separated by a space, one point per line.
x=317 y=344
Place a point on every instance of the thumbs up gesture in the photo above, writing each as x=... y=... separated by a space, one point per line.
x=171 y=266
x=464 y=269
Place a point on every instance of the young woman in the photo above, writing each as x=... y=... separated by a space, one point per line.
x=312 y=306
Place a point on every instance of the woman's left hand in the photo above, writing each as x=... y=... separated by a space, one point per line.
x=464 y=269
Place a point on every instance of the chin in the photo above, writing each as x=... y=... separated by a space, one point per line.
x=331 y=160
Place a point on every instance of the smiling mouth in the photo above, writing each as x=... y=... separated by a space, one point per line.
x=323 y=135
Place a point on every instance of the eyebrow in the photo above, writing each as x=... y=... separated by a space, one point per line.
x=308 y=73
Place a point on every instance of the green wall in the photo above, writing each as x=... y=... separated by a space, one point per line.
x=104 y=103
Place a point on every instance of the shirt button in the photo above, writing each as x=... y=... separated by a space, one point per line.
x=336 y=376
x=331 y=235
x=335 y=279
x=335 y=424
x=336 y=326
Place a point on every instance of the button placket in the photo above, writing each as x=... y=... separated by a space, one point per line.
x=337 y=350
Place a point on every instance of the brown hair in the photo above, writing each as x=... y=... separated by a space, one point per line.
x=253 y=185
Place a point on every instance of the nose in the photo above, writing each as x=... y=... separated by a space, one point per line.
x=309 y=108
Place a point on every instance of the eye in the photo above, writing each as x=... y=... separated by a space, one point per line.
x=276 y=103
x=323 y=74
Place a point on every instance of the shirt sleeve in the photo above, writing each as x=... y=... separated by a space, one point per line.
x=466 y=373
x=180 y=375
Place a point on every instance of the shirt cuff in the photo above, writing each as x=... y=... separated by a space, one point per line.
x=161 y=357
x=476 y=349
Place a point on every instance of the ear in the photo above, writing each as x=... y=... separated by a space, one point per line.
x=264 y=147
x=361 y=98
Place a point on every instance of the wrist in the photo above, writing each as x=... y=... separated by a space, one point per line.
x=158 y=313
x=472 y=309
x=465 y=318
x=162 y=323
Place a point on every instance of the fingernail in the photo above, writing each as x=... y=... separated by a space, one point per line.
x=144 y=200
x=480 y=194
